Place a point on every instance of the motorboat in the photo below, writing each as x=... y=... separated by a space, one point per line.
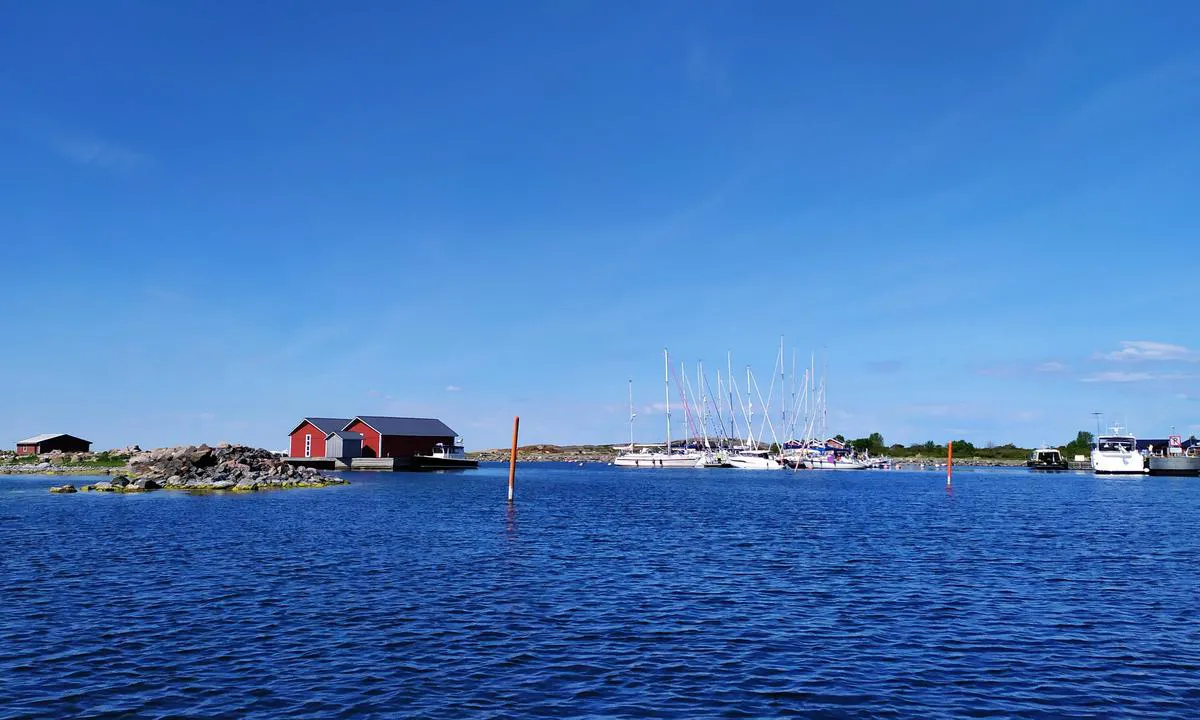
x=1116 y=454
x=445 y=457
x=1046 y=458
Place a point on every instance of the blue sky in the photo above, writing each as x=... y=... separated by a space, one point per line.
x=218 y=218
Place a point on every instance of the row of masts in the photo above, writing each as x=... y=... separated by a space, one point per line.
x=707 y=424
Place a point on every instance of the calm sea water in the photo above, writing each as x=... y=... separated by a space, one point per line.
x=607 y=593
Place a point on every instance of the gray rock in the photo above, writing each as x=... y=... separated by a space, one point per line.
x=103 y=487
x=223 y=484
x=63 y=489
x=119 y=481
x=146 y=484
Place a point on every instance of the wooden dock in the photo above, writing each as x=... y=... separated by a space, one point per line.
x=385 y=464
x=366 y=464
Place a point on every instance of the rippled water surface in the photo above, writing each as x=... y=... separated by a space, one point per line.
x=607 y=593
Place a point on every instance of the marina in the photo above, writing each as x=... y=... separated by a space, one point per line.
x=722 y=438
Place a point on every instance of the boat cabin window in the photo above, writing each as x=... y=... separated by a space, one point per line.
x=1115 y=445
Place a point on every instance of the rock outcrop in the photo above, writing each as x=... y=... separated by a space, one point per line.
x=199 y=467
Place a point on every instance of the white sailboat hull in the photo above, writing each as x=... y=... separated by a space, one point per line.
x=752 y=462
x=823 y=462
x=660 y=460
x=836 y=464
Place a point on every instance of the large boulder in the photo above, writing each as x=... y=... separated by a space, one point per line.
x=63 y=489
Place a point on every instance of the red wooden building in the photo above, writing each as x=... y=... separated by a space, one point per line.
x=400 y=437
x=50 y=442
x=308 y=439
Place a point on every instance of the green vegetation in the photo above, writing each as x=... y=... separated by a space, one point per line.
x=962 y=449
x=100 y=460
x=1081 y=445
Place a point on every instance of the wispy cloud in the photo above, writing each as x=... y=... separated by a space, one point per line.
x=1139 y=350
x=1023 y=369
x=453 y=388
x=101 y=154
x=659 y=408
x=1052 y=366
x=1122 y=376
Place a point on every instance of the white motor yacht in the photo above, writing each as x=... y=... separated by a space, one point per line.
x=1117 y=453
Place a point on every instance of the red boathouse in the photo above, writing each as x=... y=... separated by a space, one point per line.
x=308 y=439
x=399 y=437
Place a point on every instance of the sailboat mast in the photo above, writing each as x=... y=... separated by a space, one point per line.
x=729 y=378
x=795 y=409
x=631 y=415
x=667 y=384
x=782 y=384
x=825 y=394
x=749 y=412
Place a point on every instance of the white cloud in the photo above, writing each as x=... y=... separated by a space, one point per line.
x=1138 y=350
x=453 y=388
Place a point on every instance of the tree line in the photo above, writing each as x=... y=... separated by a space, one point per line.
x=874 y=444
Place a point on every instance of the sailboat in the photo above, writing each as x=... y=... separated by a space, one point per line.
x=813 y=453
x=656 y=456
x=750 y=456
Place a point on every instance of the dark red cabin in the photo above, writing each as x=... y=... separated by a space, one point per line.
x=51 y=442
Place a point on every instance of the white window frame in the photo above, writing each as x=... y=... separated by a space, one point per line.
x=308 y=445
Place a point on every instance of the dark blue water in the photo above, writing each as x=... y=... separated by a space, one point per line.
x=607 y=593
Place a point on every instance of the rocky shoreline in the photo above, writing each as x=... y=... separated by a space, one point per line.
x=234 y=468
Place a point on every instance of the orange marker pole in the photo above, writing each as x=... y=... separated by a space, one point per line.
x=949 y=461
x=512 y=459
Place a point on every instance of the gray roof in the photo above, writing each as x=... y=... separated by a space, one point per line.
x=343 y=434
x=411 y=427
x=326 y=425
x=48 y=436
